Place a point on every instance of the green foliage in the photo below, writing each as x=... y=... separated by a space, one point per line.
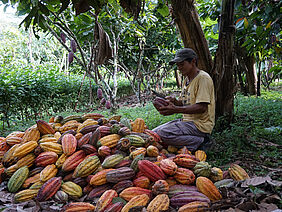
x=255 y=131
x=28 y=92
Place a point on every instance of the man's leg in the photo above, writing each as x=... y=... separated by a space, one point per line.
x=179 y=134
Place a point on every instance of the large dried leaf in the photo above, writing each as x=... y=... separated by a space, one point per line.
x=264 y=207
x=255 y=181
x=105 y=50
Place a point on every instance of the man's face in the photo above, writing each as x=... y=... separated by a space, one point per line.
x=184 y=67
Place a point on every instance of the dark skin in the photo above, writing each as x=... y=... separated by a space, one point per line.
x=190 y=70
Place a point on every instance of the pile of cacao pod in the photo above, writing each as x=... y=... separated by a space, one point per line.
x=118 y=164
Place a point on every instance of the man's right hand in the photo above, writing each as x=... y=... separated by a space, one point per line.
x=172 y=99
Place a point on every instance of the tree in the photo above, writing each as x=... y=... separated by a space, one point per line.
x=187 y=20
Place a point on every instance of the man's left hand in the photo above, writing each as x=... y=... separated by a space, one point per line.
x=167 y=110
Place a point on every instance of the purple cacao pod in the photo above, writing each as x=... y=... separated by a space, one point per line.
x=103 y=101
x=73 y=45
x=70 y=57
x=63 y=37
x=108 y=104
x=99 y=93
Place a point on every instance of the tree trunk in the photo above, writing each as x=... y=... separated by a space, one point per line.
x=224 y=62
x=251 y=75
x=187 y=20
x=259 y=79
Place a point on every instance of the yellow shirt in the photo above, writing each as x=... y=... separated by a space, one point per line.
x=200 y=90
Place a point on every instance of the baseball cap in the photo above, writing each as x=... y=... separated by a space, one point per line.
x=183 y=54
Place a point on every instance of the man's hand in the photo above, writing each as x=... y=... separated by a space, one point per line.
x=167 y=110
x=172 y=99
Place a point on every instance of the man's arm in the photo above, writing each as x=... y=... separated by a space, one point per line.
x=190 y=109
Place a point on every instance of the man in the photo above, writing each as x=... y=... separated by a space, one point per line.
x=196 y=103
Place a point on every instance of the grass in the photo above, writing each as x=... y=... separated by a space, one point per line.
x=254 y=137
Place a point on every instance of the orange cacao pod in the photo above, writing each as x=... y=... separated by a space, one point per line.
x=105 y=200
x=109 y=140
x=139 y=200
x=184 y=150
x=159 y=203
x=31 y=180
x=142 y=182
x=31 y=134
x=237 y=172
x=131 y=192
x=79 y=206
x=99 y=178
x=46 y=158
x=168 y=166
x=207 y=187
x=152 y=151
x=160 y=187
x=52 y=147
x=25 y=148
x=201 y=155
x=48 y=172
x=138 y=125
x=72 y=161
x=44 y=127
x=196 y=206
x=184 y=176
x=186 y=160
x=14 y=140
x=69 y=144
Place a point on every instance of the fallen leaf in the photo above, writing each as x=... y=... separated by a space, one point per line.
x=274 y=182
x=255 y=181
x=247 y=206
x=264 y=207
x=272 y=199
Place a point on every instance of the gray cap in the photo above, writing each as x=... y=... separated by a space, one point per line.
x=183 y=54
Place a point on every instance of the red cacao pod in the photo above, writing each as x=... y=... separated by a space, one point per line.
x=70 y=57
x=63 y=37
x=108 y=104
x=73 y=45
x=99 y=93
